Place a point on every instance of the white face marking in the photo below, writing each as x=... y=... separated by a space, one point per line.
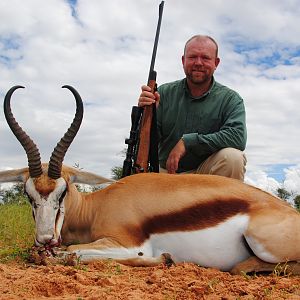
x=45 y=209
x=221 y=247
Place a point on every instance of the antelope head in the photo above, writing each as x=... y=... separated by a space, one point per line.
x=44 y=183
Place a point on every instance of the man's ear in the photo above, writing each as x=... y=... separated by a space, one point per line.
x=217 y=61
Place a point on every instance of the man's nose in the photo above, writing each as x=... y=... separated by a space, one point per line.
x=198 y=60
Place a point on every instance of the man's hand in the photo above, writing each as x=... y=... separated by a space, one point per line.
x=147 y=98
x=175 y=155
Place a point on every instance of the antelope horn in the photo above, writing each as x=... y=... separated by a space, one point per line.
x=32 y=152
x=58 y=154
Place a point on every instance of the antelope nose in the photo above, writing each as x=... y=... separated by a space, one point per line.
x=43 y=240
x=54 y=242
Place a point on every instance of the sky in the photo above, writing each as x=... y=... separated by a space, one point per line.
x=103 y=49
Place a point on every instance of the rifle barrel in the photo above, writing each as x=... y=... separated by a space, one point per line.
x=161 y=8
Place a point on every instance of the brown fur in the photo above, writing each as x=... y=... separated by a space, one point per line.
x=200 y=216
x=44 y=185
x=254 y=264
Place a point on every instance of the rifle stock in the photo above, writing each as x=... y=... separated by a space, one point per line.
x=142 y=159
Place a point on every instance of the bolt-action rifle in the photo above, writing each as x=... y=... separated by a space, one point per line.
x=142 y=151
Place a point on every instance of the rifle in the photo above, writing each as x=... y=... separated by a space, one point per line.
x=142 y=151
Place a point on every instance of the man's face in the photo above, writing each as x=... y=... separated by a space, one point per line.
x=200 y=61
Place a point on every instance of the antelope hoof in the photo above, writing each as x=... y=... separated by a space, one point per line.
x=167 y=260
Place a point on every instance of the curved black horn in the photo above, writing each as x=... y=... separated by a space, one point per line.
x=33 y=154
x=58 y=154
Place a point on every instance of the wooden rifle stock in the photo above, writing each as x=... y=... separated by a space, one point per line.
x=142 y=160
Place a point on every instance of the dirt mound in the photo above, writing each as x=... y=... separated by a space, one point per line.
x=109 y=280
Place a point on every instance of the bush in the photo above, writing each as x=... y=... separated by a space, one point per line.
x=14 y=195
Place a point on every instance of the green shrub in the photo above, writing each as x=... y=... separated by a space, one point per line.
x=15 y=194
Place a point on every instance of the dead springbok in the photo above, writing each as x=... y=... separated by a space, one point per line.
x=146 y=219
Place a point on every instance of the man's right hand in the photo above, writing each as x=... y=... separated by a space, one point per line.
x=147 y=98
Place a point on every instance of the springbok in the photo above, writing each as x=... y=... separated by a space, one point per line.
x=147 y=219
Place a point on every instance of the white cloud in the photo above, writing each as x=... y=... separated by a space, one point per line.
x=261 y=180
x=105 y=51
x=292 y=179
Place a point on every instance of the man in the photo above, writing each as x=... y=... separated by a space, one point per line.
x=201 y=123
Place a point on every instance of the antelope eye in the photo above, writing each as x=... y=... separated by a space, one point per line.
x=62 y=196
x=29 y=198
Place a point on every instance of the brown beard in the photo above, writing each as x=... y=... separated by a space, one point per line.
x=198 y=80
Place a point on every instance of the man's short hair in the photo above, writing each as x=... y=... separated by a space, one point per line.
x=199 y=36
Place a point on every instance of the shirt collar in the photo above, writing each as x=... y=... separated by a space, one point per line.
x=186 y=88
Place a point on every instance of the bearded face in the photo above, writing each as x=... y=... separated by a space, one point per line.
x=200 y=61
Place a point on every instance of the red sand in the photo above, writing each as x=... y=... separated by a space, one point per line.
x=109 y=280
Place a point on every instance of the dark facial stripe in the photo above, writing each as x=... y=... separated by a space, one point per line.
x=201 y=216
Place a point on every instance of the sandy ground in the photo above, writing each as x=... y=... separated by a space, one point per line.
x=109 y=280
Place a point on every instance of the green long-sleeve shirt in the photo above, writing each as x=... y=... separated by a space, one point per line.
x=207 y=124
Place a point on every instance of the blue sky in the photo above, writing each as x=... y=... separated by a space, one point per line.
x=273 y=56
x=277 y=171
x=103 y=49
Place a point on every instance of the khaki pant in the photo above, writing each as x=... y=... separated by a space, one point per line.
x=228 y=162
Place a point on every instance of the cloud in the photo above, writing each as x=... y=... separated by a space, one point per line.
x=103 y=49
x=292 y=179
x=261 y=180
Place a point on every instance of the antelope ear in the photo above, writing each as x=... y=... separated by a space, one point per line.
x=88 y=178
x=16 y=175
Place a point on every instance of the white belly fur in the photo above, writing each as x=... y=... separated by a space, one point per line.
x=220 y=247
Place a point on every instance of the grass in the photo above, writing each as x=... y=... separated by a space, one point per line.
x=16 y=231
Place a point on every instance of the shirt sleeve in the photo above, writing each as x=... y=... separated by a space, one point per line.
x=159 y=111
x=232 y=132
